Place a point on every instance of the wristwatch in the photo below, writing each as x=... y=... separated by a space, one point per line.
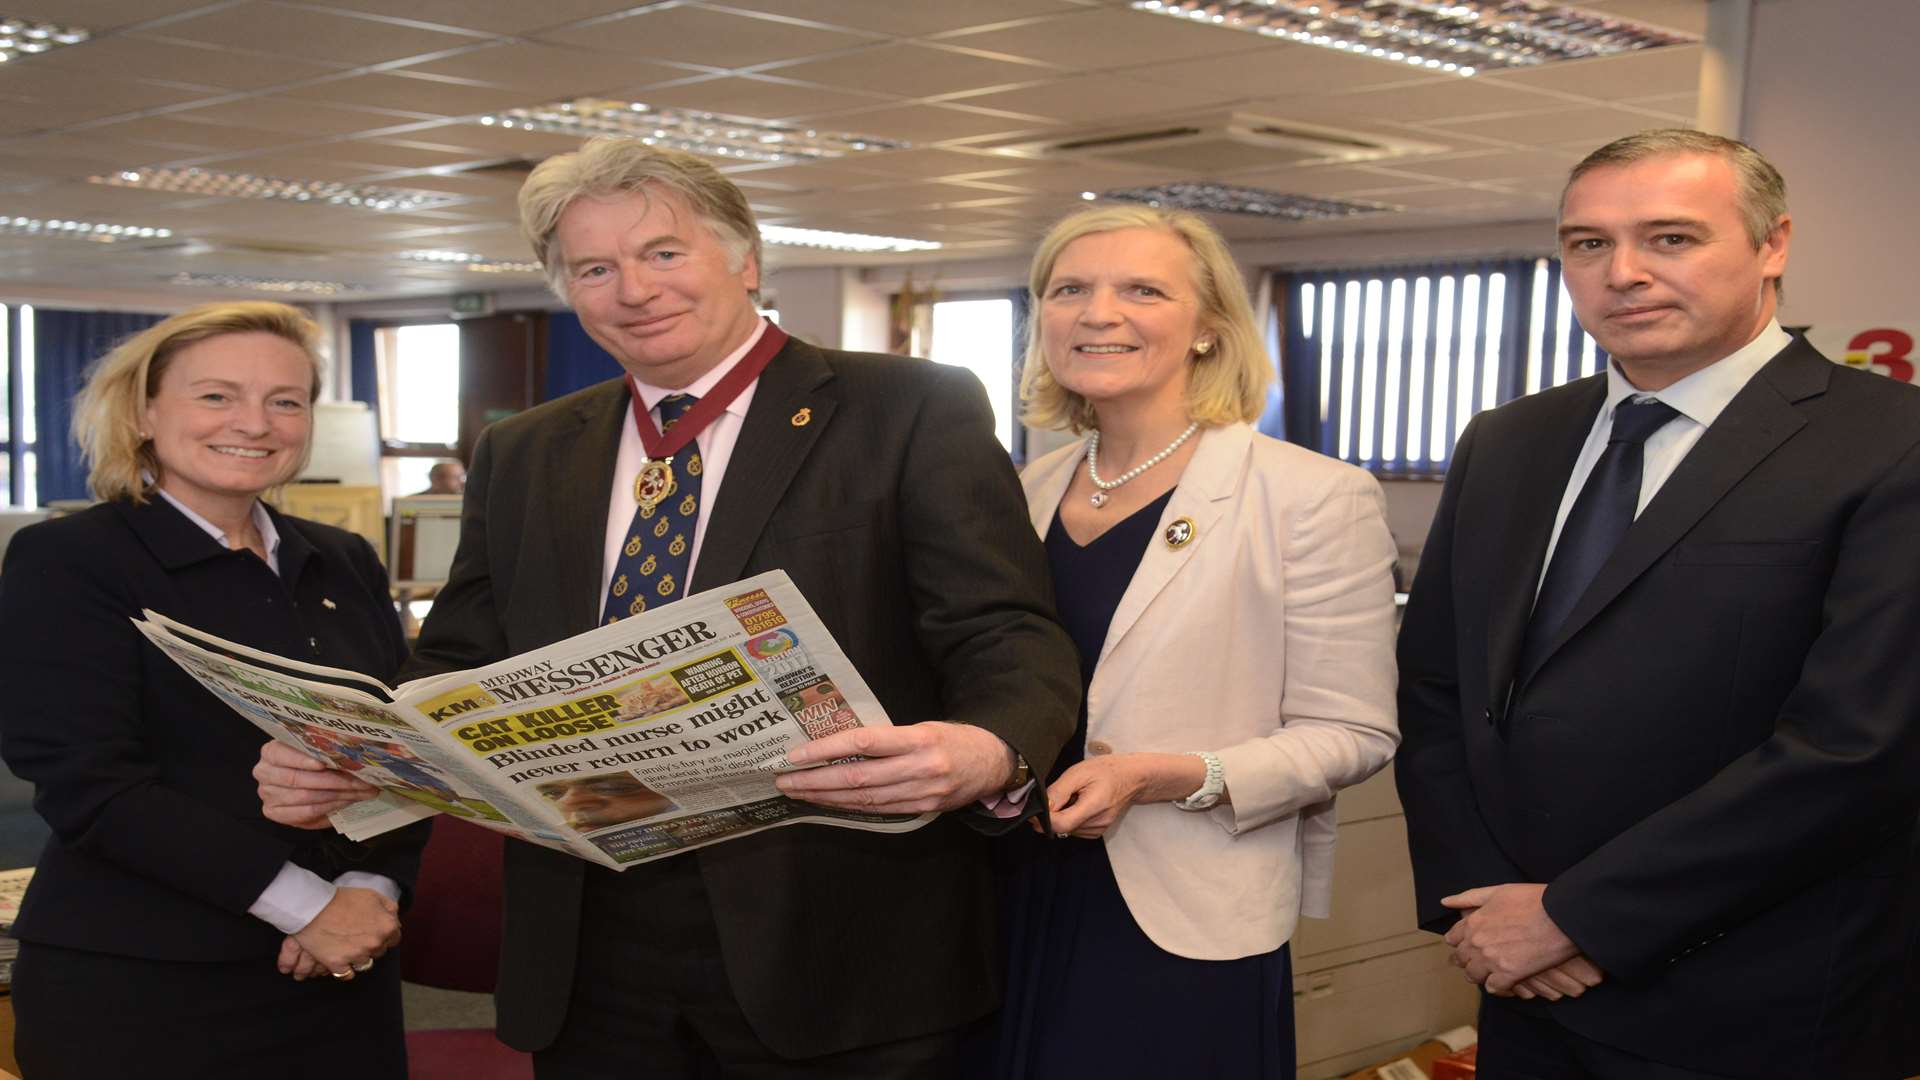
x=1211 y=788
x=1022 y=773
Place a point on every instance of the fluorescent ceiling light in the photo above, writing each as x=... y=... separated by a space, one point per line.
x=248 y=186
x=471 y=261
x=78 y=230
x=736 y=138
x=841 y=241
x=21 y=37
x=1210 y=198
x=265 y=284
x=1455 y=38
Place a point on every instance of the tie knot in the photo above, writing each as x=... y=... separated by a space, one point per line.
x=672 y=407
x=1634 y=421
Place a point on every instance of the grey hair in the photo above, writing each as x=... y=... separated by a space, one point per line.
x=614 y=165
x=1762 y=190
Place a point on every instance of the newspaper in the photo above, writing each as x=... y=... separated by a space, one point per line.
x=634 y=741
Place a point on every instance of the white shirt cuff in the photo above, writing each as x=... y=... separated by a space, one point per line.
x=360 y=879
x=1009 y=804
x=293 y=898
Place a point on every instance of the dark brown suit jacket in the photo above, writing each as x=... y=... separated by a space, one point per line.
x=901 y=519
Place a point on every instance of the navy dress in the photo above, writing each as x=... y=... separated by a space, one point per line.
x=1084 y=984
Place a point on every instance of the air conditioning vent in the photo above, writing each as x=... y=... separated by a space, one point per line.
x=1226 y=142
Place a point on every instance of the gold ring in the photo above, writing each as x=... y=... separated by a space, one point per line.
x=368 y=966
x=348 y=974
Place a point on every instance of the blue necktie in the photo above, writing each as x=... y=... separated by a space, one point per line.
x=1595 y=526
x=653 y=562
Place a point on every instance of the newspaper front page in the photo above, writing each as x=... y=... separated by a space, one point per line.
x=637 y=740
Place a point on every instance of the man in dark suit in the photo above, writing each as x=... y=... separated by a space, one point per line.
x=877 y=484
x=1659 y=714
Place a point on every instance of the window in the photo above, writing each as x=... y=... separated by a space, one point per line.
x=1385 y=368
x=418 y=368
x=18 y=466
x=978 y=335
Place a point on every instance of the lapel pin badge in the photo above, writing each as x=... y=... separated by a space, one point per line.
x=1180 y=533
x=803 y=418
x=328 y=604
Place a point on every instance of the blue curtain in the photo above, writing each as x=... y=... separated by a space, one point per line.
x=66 y=343
x=362 y=363
x=574 y=360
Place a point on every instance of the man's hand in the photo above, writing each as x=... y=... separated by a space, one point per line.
x=1506 y=935
x=910 y=770
x=355 y=928
x=300 y=791
x=1568 y=980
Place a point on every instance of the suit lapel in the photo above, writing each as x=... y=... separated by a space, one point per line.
x=770 y=450
x=578 y=522
x=1205 y=491
x=1046 y=488
x=1756 y=422
x=1544 y=460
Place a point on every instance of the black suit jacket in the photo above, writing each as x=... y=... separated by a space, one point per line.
x=158 y=844
x=1717 y=768
x=901 y=519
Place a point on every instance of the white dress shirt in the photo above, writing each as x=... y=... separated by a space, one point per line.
x=716 y=449
x=1700 y=398
x=296 y=894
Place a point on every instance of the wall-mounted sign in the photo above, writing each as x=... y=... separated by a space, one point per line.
x=1886 y=348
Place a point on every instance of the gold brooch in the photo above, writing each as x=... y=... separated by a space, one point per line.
x=803 y=418
x=1180 y=533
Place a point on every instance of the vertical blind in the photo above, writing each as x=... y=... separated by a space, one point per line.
x=1383 y=368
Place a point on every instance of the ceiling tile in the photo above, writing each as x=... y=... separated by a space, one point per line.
x=693 y=35
x=931 y=164
x=550 y=72
x=304 y=32
x=913 y=71
x=300 y=120
x=765 y=99
x=415 y=94
x=895 y=17
x=1497 y=165
x=932 y=123
x=197 y=65
x=1280 y=69
x=499 y=141
x=100 y=16
x=1584 y=126
x=1672 y=70
x=1109 y=40
x=1094 y=99
x=191 y=138
x=307 y=165
x=493 y=16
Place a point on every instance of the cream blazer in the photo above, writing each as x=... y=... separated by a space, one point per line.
x=1268 y=639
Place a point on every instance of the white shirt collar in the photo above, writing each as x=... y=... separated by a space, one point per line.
x=1705 y=394
x=650 y=395
x=262 y=521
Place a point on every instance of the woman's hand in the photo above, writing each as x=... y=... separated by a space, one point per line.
x=356 y=928
x=301 y=791
x=1090 y=797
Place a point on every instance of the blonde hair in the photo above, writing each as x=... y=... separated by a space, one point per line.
x=1225 y=385
x=110 y=411
x=615 y=165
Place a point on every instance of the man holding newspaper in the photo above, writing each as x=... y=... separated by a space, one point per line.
x=731 y=449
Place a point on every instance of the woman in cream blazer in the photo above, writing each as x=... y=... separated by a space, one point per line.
x=1245 y=673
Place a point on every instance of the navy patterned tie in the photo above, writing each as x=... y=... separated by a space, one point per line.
x=1595 y=526
x=653 y=562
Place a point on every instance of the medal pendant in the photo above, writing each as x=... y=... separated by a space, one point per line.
x=654 y=483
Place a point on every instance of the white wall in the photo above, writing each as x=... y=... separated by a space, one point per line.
x=1831 y=87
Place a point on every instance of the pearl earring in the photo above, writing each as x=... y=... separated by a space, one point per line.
x=1202 y=347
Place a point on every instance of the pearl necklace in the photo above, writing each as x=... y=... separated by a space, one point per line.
x=1099 y=498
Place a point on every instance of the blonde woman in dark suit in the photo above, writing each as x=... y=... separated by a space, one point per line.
x=167 y=920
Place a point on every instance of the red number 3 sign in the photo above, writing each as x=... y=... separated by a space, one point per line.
x=1884 y=350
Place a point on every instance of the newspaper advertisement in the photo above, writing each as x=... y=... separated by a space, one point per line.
x=634 y=741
